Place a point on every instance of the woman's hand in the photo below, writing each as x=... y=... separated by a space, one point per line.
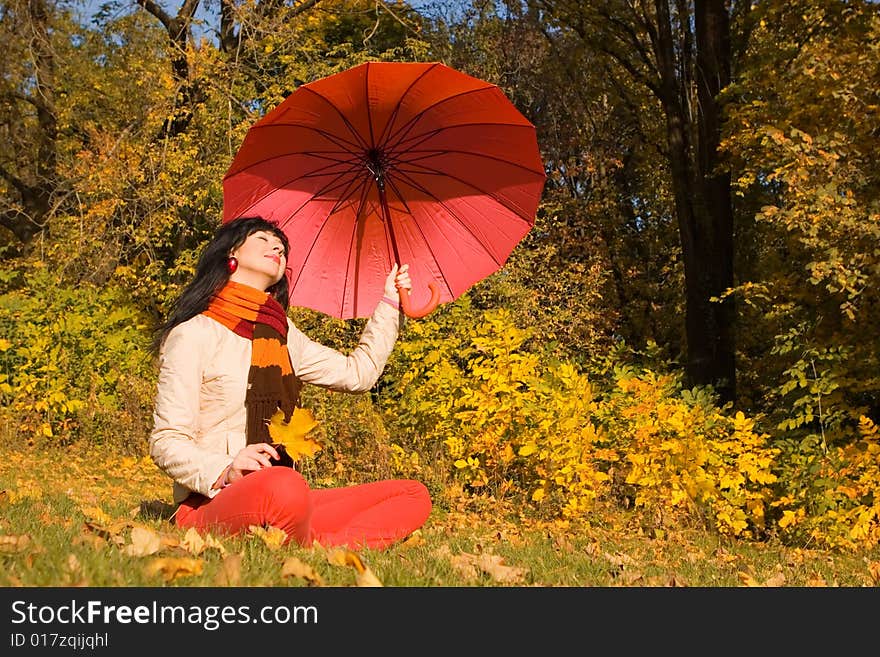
x=250 y=458
x=397 y=278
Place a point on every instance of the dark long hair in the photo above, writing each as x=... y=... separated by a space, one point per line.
x=212 y=273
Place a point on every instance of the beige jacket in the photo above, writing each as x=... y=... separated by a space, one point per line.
x=199 y=415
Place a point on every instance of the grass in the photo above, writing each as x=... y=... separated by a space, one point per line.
x=76 y=516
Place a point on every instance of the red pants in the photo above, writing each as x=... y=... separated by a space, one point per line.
x=373 y=515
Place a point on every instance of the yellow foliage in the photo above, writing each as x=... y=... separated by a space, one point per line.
x=685 y=457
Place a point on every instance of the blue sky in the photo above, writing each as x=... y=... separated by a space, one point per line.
x=89 y=7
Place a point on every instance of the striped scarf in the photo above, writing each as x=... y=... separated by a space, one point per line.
x=272 y=383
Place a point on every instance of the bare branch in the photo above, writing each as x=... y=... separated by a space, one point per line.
x=159 y=13
x=13 y=180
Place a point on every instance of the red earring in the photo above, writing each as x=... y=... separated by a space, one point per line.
x=232 y=264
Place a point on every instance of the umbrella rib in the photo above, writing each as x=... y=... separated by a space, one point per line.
x=430 y=154
x=422 y=233
x=311 y=248
x=409 y=145
x=310 y=174
x=369 y=109
x=451 y=212
x=385 y=137
x=429 y=170
x=355 y=225
x=406 y=127
x=344 y=144
x=320 y=154
x=353 y=184
x=342 y=116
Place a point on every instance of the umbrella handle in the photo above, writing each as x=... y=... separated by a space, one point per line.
x=421 y=312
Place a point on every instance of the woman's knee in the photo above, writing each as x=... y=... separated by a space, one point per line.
x=418 y=491
x=284 y=484
x=285 y=501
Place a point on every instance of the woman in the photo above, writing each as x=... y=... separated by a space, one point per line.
x=228 y=359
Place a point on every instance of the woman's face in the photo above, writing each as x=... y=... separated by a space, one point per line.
x=261 y=260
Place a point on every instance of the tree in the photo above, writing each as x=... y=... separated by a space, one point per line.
x=596 y=270
x=802 y=134
x=681 y=52
x=29 y=121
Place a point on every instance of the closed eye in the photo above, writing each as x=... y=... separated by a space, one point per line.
x=277 y=243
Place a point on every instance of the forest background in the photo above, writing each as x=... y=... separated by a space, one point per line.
x=685 y=336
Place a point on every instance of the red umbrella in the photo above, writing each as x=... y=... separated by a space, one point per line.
x=390 y=162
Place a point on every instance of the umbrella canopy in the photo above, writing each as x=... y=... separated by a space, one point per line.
x=390 y=162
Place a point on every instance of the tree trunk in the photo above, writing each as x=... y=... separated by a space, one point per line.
x=712 y=27
x=702 y=195
x=37 y=187
x=179 y=30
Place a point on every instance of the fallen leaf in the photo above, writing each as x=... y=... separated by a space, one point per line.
x=97 y=515
x=94 y=541
x=193 y=542
x=674 y=581
x=230 y=571
x=470 y=565
x=724 y=556
x=443 y=552
x=73 y=564
x=293 y=434
x=874 y=570
x=273 y=537
x=630 y=577
x=366 y=578
x=212 y=543
x=144 y=542
x=14 y=544
x=816 y=580
x=111 y=530
x=463 y=563
x=494 y=565
x=778 y=579
x=593 y=549
x=293 y=567
x=696 y=557
x=342 y=557
x=795 y=557
x=173 y=567
x=74 y=569
x=413 y=540
x=620 y=559
x=563 y=544
x=748 y=580
x=363 y=575
x=169 y=541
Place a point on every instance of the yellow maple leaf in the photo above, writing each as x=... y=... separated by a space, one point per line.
x=364 y=577
x=193 y=542
x=748 y=580
x=413 y=540
x=273 y=537
x=144 y=542
x=293 y=434
x=293 y=567
x=97 y=515
x=173 y=567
